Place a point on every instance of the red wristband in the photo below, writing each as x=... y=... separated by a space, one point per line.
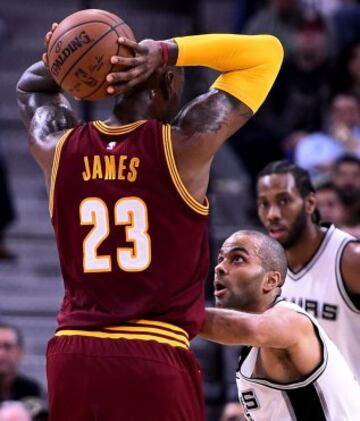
x=165 y=52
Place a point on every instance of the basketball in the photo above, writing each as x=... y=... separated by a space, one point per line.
x=80 y=49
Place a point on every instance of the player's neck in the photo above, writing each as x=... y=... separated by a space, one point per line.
x=304 y=249
x=131 y=108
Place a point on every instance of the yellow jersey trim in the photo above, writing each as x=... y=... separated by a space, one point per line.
x=162 y=324
x=55 y=167
x=144 y=330
x=117 y=130
x=107 y=335
x=175 y=176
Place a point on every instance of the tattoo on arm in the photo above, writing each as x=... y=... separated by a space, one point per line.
x=50 y=119
x=43 y=107
x=210 y=112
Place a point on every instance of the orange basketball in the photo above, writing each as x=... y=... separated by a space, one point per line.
x=80 y=49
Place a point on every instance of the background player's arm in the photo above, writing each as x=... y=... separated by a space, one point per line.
x=276 y=328
x=45 y=112
x=350 y=267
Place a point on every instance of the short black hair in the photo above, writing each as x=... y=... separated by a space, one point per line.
x=346 y=159
x=301 y=176
x=326 y=185
x=271 y=253
x=16 y=330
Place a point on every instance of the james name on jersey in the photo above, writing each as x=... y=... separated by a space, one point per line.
x=110 y=167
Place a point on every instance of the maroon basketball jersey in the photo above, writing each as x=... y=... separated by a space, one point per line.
x=132 y=242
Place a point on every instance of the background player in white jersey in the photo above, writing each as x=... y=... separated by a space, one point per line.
x=323 y=273
x=290 y=369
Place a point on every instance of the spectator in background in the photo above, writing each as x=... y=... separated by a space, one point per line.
x=346 y=178
x=14 y=411
x=303 y=89
x=297 y=103
x=347 y=22
x=317 y=152
x=278 y=18
x=349 y=71
x=14 y=386
x=7 y=214
x=329 y=204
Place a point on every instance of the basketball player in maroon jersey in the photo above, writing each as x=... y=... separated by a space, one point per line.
x=127 y=202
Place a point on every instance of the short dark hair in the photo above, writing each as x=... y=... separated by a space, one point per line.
x=301 y=176
x=16 y=330
x=346 y=159
x=326 y=185
x=271 y=253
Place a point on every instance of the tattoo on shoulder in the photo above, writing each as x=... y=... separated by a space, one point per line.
x=211 y=111
x=50 y=119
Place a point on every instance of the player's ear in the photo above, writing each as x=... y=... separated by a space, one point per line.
x=310 y=203
x=166 y=84
x=272 y=280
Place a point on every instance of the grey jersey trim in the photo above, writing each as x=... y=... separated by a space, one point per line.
x=297 y=275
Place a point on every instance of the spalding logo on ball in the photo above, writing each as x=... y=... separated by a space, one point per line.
x=80 y=49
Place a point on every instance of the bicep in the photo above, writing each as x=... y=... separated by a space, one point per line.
x=208 y=121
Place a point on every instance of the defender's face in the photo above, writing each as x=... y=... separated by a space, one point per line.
x=239 y=274
x=281 y=208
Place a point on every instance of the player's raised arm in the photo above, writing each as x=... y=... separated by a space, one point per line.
x=249 y=66
x=276 y=328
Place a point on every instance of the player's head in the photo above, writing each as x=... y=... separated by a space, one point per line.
x=286 y=201
x=329 y=204
x=158 y=97
x=250 y=272
x=347 y=178
x=11 y=349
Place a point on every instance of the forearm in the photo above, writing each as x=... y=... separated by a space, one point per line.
x=36 y=88
x=229 y=327
x=250 y=63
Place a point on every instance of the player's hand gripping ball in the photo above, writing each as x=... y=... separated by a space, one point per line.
x=80 y=48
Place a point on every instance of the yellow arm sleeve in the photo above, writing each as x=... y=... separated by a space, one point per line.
x=250 y=63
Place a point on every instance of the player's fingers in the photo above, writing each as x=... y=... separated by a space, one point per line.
x=54 y=26
x=119 y=77
x=126 y=86
x=45 y=59
x=132 y=44
x=47 y=39
x=127 y=61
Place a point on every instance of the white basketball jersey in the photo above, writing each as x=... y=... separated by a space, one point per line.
x=329 y=393
x=318 y=288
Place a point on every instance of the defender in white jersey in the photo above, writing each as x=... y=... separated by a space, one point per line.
x=323 y=262
x=290 y=369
